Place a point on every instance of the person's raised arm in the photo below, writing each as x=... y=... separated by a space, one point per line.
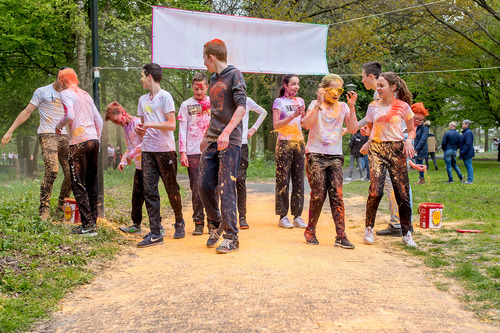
x=262 y=115
x=21 y=118
x=351 y=119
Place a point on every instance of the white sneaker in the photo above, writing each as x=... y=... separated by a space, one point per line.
x=408 y=240
x=285 y=223
x=298 y=222
x=348 y=179
x=368 y=238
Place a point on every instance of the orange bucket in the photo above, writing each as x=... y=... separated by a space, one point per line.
x=70 y=209
x=431 y=215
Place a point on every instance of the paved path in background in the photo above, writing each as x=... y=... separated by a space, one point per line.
x=275 y=283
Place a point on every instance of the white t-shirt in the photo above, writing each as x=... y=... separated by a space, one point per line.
x=134 y=144
x=194 y=118
x=252 y=106
x=325 y=136
x=48 y=102
x=387 y=120
x=287 y=106
x=111 y=151
x=155 y=110
x=85 y=122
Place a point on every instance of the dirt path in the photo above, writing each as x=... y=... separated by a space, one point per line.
x=275 y=283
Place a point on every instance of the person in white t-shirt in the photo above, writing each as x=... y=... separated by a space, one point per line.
x=241 y=186
x=159 y=159
x=324 y=157
x=194 y=118
x=288 y=110
x=54 y=148
x=119 y=116
x=111 y=155
x=85 y=125
x=4 y=159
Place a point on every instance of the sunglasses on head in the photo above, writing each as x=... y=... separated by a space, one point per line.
x=334 y=91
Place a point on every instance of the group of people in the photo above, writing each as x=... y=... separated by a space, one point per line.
x=8 y=159
x=213 y=136
x=114 y=156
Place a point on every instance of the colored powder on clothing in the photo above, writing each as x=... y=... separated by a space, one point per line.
x=289 y=131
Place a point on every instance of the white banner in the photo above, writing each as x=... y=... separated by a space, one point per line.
x=254 y=45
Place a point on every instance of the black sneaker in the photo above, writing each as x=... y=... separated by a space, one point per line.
x=150 y=240
x=390 y=231
x=133 y=229
x=179 y=230
x=228 y=246
x=198 y=229
x=310 y=237
x=215 y=234
x=243 y=223
x=344 y=243
x=84 y=231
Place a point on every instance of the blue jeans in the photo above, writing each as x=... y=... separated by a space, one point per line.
x=219 y=169
x=365 y=166
x=450 y=159
x=421 y=173
x=468 y=167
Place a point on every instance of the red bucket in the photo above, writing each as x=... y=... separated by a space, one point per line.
x=431 y=215
x=71 y=213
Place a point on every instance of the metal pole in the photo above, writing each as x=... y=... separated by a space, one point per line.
x=95 y=91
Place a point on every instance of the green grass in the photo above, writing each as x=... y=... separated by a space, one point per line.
x=41 y=261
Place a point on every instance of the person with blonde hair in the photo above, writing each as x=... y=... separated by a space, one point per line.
x=324 y=159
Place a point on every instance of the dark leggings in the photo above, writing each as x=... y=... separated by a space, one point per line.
x=83 y=159
x=388 y=156
x=290 y=158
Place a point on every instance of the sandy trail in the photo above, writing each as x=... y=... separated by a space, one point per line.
x=275 y=283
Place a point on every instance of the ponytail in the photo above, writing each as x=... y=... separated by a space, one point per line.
x=402 y=91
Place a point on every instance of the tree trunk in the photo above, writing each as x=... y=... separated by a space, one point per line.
x=486 y=142
x=271 y=139
x=81 y=46
x=33 y=163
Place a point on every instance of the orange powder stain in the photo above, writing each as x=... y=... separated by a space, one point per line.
x=290 y=131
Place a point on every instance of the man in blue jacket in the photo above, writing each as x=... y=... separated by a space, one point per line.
x=450 y=143
x=467 y=149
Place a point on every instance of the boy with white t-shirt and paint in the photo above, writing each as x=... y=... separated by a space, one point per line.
x=241 y=186
x=194 y=118
x=324 y=157
x=159 y=159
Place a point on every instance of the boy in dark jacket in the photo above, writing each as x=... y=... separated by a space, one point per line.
x=221 y=146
